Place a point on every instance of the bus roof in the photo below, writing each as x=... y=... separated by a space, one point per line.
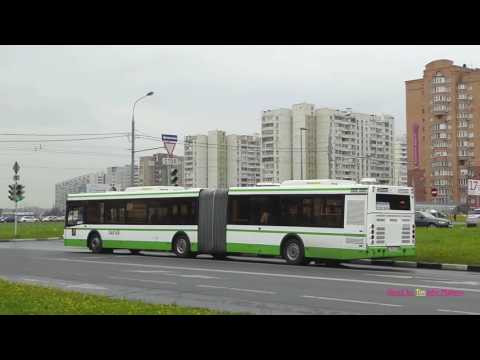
x=292 y=186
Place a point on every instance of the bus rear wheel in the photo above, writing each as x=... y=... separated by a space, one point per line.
x=95 y=244
x=134 y=251
x=293 y=252
x=181 y=246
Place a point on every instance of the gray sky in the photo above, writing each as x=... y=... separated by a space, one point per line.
x=75 y=89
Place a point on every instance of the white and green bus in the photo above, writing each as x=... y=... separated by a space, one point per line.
x=330 y=220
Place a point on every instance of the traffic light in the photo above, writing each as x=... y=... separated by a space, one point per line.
x=12 y=191
x=173 y=177
x=20 y=192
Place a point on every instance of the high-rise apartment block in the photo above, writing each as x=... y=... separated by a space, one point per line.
x=443 y=122
x=243 y=160
x=309 y=143
x=219 y=161
x=94 y=182
x=400 y=161
x=119 y=177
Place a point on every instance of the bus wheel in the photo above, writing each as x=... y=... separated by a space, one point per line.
x=293 y=252
x=181 y=246
x=95 y=244
x=134 y=251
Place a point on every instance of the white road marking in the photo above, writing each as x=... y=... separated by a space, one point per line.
x=196 y=276
x=87 y=286
x=392 y=276
x=143 y=280
x=36 y=280
x=237 y=289
x=169 y=273
x=350 y=301
x=148 y=271
x=291 y=276
x=473 y=283
x=458 y=312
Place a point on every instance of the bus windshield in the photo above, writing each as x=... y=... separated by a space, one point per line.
x=392 y=202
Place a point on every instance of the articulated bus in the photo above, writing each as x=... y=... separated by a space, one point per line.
x=298 y=220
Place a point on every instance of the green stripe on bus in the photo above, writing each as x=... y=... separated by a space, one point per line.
x=296 y=232
x=126 y=229
x=128 y=244
x=254 y=249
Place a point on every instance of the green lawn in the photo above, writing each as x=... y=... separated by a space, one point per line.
x=20 y=299
x=459 y=245
x=32 y=230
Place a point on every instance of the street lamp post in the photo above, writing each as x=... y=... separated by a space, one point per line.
x=132 y=171
x=301 y=151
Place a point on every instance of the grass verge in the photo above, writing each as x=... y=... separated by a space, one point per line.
x=32 y=230
x=22 y=299
x=459 y=245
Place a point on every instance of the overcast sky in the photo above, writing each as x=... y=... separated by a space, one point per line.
x=85 y=89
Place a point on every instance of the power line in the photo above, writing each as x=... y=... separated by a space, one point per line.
x=60 y=140
x=75 y=134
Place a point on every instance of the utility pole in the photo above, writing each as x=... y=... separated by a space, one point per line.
x=132 y=170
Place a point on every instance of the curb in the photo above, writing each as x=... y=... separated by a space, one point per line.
x=421 y=265
x=45 y=239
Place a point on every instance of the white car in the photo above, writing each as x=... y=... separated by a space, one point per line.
x=49 y=218
x=473 y=218
x=28 y=219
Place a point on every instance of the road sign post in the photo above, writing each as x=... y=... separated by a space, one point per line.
x=16 y=193
x=169 y=141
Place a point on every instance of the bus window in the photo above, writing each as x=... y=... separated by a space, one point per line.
x=75 y=215
x=239 y=210
x=114 y=212
x=93 y=215
x=136 y=212
x=392 y=202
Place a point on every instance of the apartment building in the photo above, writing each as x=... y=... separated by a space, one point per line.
x=400 y=160
x=119 y=176
x=326 y=143
x=243 y=160
x=276 y=142
x=94 y=182
x=217 y=160
x=443 y=122
x=195 y=170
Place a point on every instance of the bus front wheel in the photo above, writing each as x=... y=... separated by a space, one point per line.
x=95 y=244
x=181 y=246
x=293 y=252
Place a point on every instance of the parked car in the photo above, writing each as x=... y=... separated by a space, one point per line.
x=9 y=219
x=473 y=218
x=49 y=218
x=28 y=219
x=423 y=218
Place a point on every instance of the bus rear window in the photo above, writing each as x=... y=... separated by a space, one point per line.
x=393 y=202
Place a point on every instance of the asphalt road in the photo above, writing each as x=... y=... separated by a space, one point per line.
x=250 y=285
